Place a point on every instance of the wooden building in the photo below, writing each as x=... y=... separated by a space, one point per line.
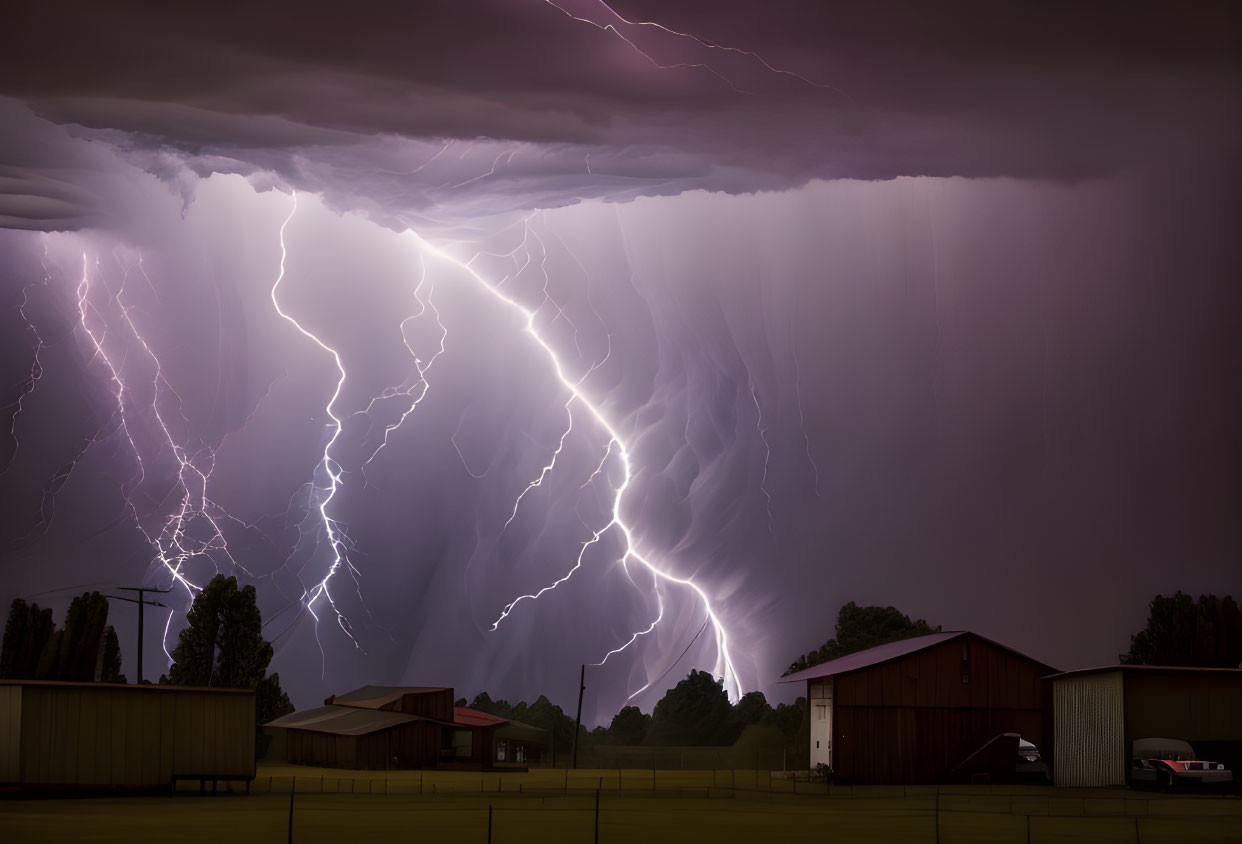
x=923 y=710
x=1098 y=713
x=383 y=727
x=116 y=737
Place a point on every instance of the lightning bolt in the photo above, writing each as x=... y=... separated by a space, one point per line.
x=767 y=455
x=806 y=440
x=35 y=373
x=697 y=40
x=417 y=391
x=338 y=542
x=617 y=448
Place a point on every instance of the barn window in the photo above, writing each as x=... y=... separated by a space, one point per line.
x=519 y=753
x=502 y=749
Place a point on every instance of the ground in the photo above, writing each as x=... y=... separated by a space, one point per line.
x=686 y=806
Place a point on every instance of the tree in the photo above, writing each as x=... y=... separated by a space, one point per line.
x=542 y=713
x=1181 y=631
x=83 y=640
x=85 y=651
x=751 y=709
x=26 y=634
x=694 y=712
x=222 y=645
x=859 y=628
x=629 y=726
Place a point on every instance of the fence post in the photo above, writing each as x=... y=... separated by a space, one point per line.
x=1028 y=829
x=938 y=815
x=597 y=816
x=489 y=823
x=292 y=790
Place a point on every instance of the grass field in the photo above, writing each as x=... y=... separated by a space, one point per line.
x=548 y=806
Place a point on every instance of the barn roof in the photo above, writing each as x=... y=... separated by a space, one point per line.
x=376 y=697
x=887 y=652
x=343 y=720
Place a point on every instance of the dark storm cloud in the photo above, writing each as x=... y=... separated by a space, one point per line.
x=1022 y=394
x=538 y=109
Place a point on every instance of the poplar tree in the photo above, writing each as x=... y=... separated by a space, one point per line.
x=222 y=645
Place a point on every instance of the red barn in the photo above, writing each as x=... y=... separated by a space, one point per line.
x=923 y=710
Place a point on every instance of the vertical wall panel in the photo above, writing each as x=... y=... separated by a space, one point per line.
x=1088 y=722
x=100 y=735
x=10 y=733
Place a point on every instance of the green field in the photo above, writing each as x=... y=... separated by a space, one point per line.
x=553 y=806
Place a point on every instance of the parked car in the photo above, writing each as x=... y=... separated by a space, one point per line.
x=1170 y=764
x=1030 y=768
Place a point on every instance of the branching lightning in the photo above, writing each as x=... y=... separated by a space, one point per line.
x=699 y=41
x=337 y=540
x=618 y=450
x=767 y=456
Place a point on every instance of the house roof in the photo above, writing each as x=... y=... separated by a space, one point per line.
x=343 y=720
x=1169 y=669
x=464 y=716
x=522 y=731
x=376 y=697
x=887 y=652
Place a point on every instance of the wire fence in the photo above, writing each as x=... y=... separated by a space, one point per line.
x=502 y=805
x=611 y=805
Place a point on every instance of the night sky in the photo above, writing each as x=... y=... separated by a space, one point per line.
x=935 y=305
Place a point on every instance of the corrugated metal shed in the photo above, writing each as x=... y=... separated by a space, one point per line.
x=97 y=735
x=1088 y=743
x=1099 y=713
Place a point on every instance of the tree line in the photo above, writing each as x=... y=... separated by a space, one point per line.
x=221 y=646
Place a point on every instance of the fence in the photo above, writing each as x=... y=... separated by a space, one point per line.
x=612 y=804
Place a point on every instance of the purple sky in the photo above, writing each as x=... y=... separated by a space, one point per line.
x=945 y=317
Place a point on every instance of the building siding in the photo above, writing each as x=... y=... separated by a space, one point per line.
x=914 y=720
x=1089 y=741
x=124 y=737
x=10 y=732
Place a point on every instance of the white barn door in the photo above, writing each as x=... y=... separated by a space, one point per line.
x=821 y=721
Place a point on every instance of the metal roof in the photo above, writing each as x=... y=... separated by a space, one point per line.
x=149 y=687
x=343 y=720
x=871 y=656
x=376 y=697
x=891 y=651
x=1170 y=669
x=464 y=716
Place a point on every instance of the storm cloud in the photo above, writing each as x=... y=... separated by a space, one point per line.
x=930 y=305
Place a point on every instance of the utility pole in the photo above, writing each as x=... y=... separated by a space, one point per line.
x=141 y=590
x=578 y=718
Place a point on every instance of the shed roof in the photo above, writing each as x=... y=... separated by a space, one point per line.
x=1168 y=669
x=376 y=697
x=343 y=720
x=887 y=652
x=148 y=687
